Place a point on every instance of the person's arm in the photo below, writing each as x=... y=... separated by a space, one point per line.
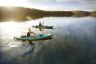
x=33 y=32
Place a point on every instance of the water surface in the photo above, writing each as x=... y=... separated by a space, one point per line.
x=74 y=42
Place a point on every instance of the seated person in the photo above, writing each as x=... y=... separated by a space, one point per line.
x=30 y=32
x=40 y=24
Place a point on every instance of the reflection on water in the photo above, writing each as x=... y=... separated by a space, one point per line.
x=74 y=42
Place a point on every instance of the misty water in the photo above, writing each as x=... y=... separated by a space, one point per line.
x=73 y=42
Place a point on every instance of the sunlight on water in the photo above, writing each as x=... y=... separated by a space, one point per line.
x=9 y=26
x=11 y=29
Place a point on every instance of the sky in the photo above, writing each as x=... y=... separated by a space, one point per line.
x=53 y=4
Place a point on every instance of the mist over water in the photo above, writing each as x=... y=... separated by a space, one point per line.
x=74 y=42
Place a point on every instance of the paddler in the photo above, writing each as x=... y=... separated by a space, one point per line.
x=40 y=24
x=30 y=32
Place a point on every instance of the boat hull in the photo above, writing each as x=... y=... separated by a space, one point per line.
x=43 y=27
x=36 y=37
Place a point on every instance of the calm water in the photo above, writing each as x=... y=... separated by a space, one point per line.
x=74 y=42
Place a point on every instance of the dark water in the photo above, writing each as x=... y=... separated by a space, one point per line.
x=74 y=42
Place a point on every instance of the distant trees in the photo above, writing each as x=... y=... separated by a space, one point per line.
x=80 y=13
x=93 y=14
x=24 y=14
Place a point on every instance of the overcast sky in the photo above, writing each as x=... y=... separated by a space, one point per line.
x=63 y=4
x=54 y=4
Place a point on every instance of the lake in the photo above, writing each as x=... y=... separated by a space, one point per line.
x=73 y=41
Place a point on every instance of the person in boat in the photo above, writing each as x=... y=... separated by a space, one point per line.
x=30 y=32
x=40 y=24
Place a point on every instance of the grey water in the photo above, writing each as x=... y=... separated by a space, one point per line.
x=73 y=42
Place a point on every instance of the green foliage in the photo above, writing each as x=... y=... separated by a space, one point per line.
x=93 y=14
x=24 y=14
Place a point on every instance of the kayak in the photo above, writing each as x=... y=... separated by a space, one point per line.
x=35 y=37
x=43 y=27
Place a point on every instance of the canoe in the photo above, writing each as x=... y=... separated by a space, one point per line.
x=43 y=27
x=34 y=38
